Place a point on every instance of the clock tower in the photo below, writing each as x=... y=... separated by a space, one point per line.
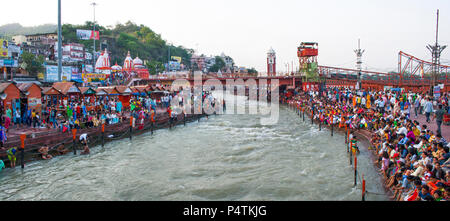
x=271 y=63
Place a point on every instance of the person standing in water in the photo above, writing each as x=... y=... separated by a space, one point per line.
x=354 y=145
x=84 y=141
x=12 y=156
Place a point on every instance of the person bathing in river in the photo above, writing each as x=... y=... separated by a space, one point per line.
x=84 y=141
x=44 y=151
x=62 y=150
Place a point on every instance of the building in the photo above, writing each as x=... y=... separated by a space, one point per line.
x=10 y=64
x=228 y=62
x=33 y=93
x=72 y=52
x=38 y=44
x=44 y=37
x=209 y=62
x=10 y=95
x=19 y=39
x=199 y=61
x=271 y=63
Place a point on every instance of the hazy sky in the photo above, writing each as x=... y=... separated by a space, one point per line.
x=246 y=29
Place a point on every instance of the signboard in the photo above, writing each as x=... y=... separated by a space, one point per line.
x=437 y=92
x=66 y=74
x=88 y=68
x=176 y=58
x=76 y=76
x=87 y=34
x=310 y=86
x=33 y=102
x=51 y=72
x=3 y=48
x=173 y=65
x=9 y=63
x=94 y=77
x=41 y=76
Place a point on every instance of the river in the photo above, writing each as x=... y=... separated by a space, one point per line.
x=225 y=157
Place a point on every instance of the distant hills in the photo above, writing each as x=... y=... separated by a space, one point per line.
x=18 y=29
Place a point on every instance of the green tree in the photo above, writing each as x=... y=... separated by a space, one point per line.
x=252 y=71
x=155 y=67
x=33 y=65
x=219 y=65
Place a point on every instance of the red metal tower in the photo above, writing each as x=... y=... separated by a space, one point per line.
x=307 y=54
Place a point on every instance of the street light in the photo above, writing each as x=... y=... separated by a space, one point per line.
x=93 y=56
x=168 y=58
x=59 y=42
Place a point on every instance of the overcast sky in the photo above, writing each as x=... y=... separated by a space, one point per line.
x=246 y=29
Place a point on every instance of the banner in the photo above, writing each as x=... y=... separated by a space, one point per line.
x=310 y=86
x=9 y=63
x=88 y=68
x=176 y=58
x=94 y=77
x=33 y=102
x=76 y=76
x=66 y=74
x=88 y=35
x=437 y=92
x=3 y=48
x=173 y=65
x=51 y=73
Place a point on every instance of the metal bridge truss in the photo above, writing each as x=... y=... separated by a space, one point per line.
x=412 y=72
x=411 y=68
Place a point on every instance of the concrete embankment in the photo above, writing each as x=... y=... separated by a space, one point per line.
x=55 y=139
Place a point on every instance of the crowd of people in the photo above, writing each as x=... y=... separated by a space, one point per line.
x=90 y=112
x=413 y=160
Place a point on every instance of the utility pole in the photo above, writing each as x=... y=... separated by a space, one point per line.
x=59 y=42
x=359 y=54
x=95 y=36
x=168 y=57
x=436 y=51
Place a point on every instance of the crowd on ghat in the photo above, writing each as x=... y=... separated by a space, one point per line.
x=74 y=114
x=412 y=159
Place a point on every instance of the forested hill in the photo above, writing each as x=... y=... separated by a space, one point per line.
x=138 y=39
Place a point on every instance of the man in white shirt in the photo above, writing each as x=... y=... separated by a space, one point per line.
x=402 y=130
x=422 y=104
x=392 y=100
x=363 y=101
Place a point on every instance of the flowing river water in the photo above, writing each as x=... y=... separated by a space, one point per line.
x=225 y=157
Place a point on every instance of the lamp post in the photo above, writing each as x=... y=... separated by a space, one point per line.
x=168 y=58
x=95 y=36
x=59 y=42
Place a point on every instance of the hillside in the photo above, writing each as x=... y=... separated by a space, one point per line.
x=18 y=29
x=138 y=39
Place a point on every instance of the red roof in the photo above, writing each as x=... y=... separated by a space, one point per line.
x=64 y=87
